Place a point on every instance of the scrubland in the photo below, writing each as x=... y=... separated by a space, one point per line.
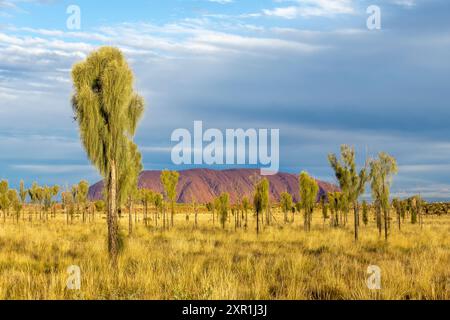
x=207 y=262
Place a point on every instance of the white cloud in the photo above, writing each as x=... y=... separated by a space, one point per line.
x=405 y=3
x=312 y=8
x=221 y=1
x=53 y=169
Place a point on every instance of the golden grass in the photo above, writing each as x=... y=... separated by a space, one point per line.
x=284 y=262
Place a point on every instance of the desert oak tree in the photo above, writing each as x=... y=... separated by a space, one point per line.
x=350 y=180
x=107 y=110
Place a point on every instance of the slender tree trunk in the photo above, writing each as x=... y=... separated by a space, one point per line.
x=246 y=219
x=310 y=219
x=239 y=216
x=379 y=222
x=146 y=214
x=113 y=226
x=386 y=222
x=305 y=221
x=257 y=222
x=172 y=213
x=345 y=218
x=130 y=217
x=419 y=210
x=164 y=217
x=196 y=218
x=157 y=215
x=336 y=223
x=356 y=211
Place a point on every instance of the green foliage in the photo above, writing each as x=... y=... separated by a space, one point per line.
x=210 y=207
x=261 y=199
x=382 y=171
x=68 y=202
x=48 y=195
x=246 y=204
x=23 y=192
x=399 y=209
x=223 y=205
x=108 y=111
x=100 y=206
x=169 y=180
x=336 y=202
x=37 y=194
x=4 y=199
x=158 y=200
x=83 y=190
x=309 y=189
x=66 y=199
x=416 y=205
x=146 y=196
x=33 y=193
x=9 y=198
x=365 y=213
x=324 y=206
x=286 y=204
x=261 y=196
x=130 y=167
x=351 y=181
x=106 y=107
x=14 y=201
x=74 y=191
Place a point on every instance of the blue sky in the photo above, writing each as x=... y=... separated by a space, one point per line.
x=310 y=68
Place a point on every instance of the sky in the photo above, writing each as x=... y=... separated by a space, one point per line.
x=310 y=68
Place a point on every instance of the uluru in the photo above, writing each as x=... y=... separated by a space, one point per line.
x=205 y=184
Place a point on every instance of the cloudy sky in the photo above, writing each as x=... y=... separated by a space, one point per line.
x=310 y=68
